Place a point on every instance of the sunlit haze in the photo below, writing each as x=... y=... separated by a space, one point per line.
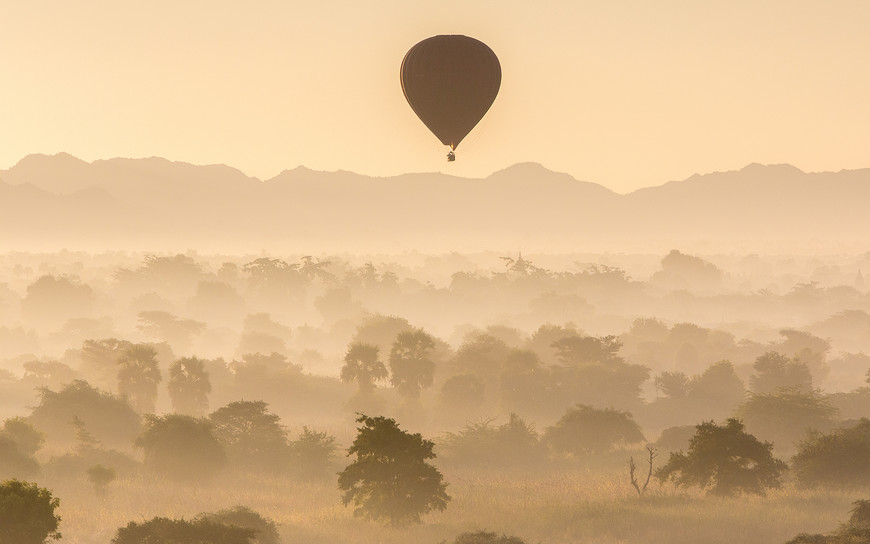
x=626 y=93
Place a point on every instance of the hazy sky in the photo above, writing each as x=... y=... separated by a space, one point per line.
x=624 y=93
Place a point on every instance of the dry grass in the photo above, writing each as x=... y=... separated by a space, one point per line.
x=569 y=507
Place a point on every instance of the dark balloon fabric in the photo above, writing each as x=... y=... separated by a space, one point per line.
x=450 y=83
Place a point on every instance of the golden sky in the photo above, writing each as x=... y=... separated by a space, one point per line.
x=624 y=93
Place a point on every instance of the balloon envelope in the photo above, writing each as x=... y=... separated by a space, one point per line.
x=450 y=83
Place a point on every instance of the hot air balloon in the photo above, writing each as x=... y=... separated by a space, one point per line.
x=450 y=83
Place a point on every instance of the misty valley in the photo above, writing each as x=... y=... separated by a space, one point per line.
x=475 y=398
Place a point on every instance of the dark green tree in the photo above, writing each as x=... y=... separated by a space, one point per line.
x=725 y=460
x=411 y=368
x=138 y=377
x=391 y=480
x=27 y=513
x=189 y=386
x=181 y=447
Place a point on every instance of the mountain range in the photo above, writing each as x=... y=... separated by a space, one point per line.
x=53 y=202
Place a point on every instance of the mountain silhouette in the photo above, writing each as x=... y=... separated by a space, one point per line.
x=58 y=201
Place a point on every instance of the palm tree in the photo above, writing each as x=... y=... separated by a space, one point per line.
x=138 y=377
x=189 y=386
x=361 y=365
x=411 y=367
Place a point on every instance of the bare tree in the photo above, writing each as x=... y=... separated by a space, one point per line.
x=632 y=468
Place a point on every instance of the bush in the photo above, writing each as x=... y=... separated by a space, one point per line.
x=178 y=531
x=514 y=443
x=241 y=516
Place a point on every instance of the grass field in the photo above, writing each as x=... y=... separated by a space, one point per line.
x=573 y=506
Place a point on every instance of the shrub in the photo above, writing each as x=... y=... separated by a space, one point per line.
x=241 y=516
x=179 y=531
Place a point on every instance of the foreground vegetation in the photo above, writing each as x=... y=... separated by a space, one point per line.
x=564 y=507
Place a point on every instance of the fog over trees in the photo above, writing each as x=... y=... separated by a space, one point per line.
x=472 y=398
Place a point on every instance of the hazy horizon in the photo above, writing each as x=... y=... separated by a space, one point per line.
x=625 y=93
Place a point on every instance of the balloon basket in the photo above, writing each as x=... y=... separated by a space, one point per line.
x=451 y=156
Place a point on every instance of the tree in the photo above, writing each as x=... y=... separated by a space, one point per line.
x=776 y=371
x=165 y=327
x=462 y=394
x=785 y=416
x=253 y=437
x=100 y=359
x=579 y=350
x=839 y=459
x=181 y=447
x=673 y=385
x=391 y=480
x=27 y=513
x=52 y=300
x=109 y=417
x=361 y=365
x=19 y=440
x=584 y=429
x=410 y=365
x=138 y=377
x=726 y=460
x=189 y=386
x=524 y=383
x=100 y=477
x=178 y=531
x=26 y=436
